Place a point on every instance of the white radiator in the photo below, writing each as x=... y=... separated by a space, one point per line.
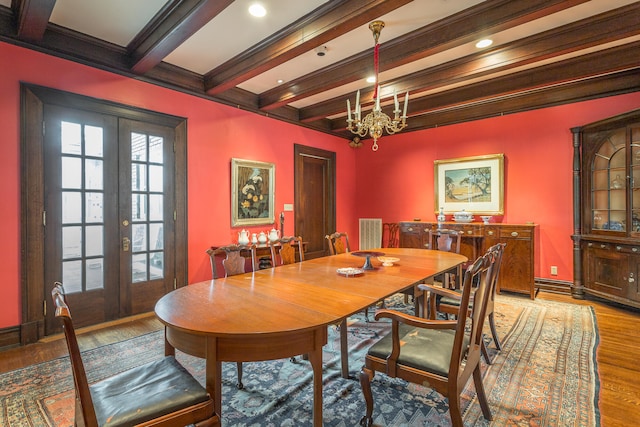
x=370 y=233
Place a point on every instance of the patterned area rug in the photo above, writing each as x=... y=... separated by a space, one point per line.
x=546 y=375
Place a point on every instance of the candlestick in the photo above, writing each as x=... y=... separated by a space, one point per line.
x=406 y=102
x=348 y=110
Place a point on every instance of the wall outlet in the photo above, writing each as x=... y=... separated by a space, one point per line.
x=554 y=270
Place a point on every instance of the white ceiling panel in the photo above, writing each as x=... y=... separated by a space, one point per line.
x=116 y=21
x=235 y=30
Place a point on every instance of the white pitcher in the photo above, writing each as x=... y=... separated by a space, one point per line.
x=243 y=237
x=274 y=234
x=262 y=238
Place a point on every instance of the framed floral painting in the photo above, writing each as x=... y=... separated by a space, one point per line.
x=252 y=192
x=475 y=184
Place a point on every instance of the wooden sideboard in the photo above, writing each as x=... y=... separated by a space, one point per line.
x=517 y=270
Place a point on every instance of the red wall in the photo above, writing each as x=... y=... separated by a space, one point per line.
x=216 y=133
x=396 y=182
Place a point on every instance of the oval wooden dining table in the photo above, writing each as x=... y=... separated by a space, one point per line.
x=285 y=311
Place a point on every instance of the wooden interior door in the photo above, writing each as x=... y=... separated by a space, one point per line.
x=314 y=205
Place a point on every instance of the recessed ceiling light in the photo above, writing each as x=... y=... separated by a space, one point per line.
x=257 y=10
x=484 y=43
x=280 y=81
x=371 y=79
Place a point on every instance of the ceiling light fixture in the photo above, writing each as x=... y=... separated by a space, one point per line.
x=376 y=121
x=484 y=43
x=257 y=10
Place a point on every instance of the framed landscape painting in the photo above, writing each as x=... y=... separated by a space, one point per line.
x=475 y=184
x=252 y=192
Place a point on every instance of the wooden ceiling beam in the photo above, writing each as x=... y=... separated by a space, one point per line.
x=596 y=64
x=584 y=34
x=32 y=18
x=328 y=22
x=461 y=28
x=174 y=24
x=577 y=91
x=560 y=74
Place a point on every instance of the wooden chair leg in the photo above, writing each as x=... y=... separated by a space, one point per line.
x=485 y=353
x=366 y=376
x=454 y=410
x=482 y=397
x=240 y=386
x=494 y=332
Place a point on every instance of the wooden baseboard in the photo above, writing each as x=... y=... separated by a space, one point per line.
x=9 y=337
x=553 y=286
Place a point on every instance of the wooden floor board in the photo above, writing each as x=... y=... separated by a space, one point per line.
x=617 y=358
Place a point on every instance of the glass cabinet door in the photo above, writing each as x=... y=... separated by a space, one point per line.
x=635 y=181
x=609 y=184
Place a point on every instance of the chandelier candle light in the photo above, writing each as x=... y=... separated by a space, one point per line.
x=374 y=122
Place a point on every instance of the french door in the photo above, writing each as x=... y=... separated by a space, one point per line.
x=108 y=213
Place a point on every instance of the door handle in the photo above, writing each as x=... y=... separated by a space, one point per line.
x=125 y=244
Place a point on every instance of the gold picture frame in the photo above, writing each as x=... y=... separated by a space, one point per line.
x=475 y=184
x=252 y=192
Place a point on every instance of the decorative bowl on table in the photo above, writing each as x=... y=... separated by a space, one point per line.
x=388 y=261
x=462 y=216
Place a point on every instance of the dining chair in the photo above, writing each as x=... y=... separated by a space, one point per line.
x=283 y=251
x=441 y=240
x=233 y=263
x=158 y=393
x=336 y=243
x=390 y=232
x=448 y=241
x=440 y=354
x=449 y=305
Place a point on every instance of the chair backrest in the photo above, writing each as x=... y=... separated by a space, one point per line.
x=233 y=263
x=84 y=402
x=390 y=234
x=498 y=249
x=336 y=243
x=445 y=240
x=283 y=251
x=477 y=285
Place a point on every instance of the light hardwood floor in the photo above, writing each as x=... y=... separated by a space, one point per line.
x=618 y=354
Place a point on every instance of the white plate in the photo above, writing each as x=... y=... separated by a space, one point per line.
x=350 y=271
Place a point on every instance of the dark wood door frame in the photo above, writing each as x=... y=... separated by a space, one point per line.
x=328 y=202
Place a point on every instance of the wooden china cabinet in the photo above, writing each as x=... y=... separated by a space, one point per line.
x=517 y=269
x=607 y=209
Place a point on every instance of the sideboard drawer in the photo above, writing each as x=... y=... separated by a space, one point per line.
x=515 y=232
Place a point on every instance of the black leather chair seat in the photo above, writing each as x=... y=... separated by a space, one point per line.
x=425 y=349
x=449 y=301
x=144 y=393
